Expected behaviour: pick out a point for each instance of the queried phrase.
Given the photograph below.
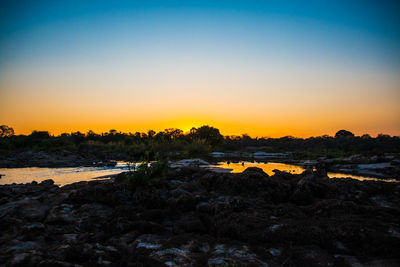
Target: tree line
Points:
(199, 141)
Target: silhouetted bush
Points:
(198, 147)
(146, 174)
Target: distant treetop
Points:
(6, 131)
(344, 133)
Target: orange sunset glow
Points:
(262, 111)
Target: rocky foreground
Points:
(196, 217)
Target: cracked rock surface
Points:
(195, 217)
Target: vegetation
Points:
(146, 173)
(198, 142)
(6, 131)
(344, 133)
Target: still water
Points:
(268, 168)
(63, 176)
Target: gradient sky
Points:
(266, 68)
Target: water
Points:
(268, 168)
(358, 177)
(63, 176)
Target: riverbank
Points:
(382, 170)
(59, 159)
(195, 216)
(384, 166)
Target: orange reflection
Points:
(266, 167)
(61, 176)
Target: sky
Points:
(265, 68)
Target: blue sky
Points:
(368, 29)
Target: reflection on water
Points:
(267, 167)
(357, 177)
(61, 176)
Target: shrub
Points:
(146, 174)
(198, 147)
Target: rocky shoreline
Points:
(195, 217)
(384, 170)
(62, 159)
(385, 166)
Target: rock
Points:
(70, 238)
(121, 197)
(47, 182)
(345, 260)
(28, 209)
(204, 207)
(189, 162)
(312, 257)
(33, 231)
(274, 251)
(23, 246)
(282, 174)
(20, 259)
(148, 245)
(186, 202)
(234, 255)
(245, 219)
(255, 171)
(153, 215)
(61, 214)
(302, 196)
(190, 224)
(175, 182)
(216, 261)
(54, 263)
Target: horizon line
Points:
(187, 132)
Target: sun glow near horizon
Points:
(226, 129)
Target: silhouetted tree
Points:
(40, 135)
(6, 131)
(173, 133)
(151, 134)
(90, 133)
(344, 133)
(77, 137)
(207, 133)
